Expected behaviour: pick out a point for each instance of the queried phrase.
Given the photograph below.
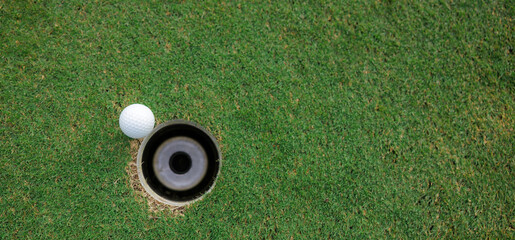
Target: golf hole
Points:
(178, 162)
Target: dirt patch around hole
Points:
(140, 194)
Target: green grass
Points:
(367, 119)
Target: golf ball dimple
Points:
(137, 121)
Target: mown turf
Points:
(367, 119)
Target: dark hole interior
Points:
(180, 162)
(198, 135)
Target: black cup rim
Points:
(161, 133)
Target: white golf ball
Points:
(137, 121)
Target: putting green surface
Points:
(367, 119)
